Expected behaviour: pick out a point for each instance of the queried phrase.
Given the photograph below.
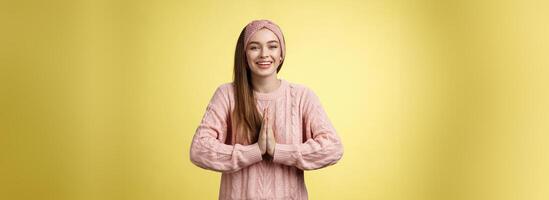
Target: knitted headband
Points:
(256, 25)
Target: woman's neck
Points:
(266, 85)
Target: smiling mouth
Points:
(264, 64)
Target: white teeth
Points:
(264, 63)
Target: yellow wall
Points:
(432, 99)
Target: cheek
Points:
(251, 55)
(250, 58)
(251, 52)
(278, 53)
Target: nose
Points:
(264, 53)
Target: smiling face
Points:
(263, 53)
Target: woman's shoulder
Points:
(225, 90)
(304, 95)
(300, 89)
(226, 87)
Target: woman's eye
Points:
(274, 47)
(253, 48)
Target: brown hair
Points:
(247, 120)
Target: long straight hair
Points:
(247, 120)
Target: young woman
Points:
(260, 131)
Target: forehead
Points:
(263, 35)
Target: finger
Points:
(269, 114)
(269, 119)
(266, 114)
(268, 123)
(264, 119)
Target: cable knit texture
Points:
(305, 137)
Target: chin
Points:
(264, 73)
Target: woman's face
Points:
(263, 53)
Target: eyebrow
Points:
(254, 42)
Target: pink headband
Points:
(255, 25)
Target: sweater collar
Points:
(274, 94)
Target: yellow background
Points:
(432, 99)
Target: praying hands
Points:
(266, 138)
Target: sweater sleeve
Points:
(208, 151)
(322, 147)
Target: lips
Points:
(264, 64)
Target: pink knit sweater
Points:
(305, 138)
